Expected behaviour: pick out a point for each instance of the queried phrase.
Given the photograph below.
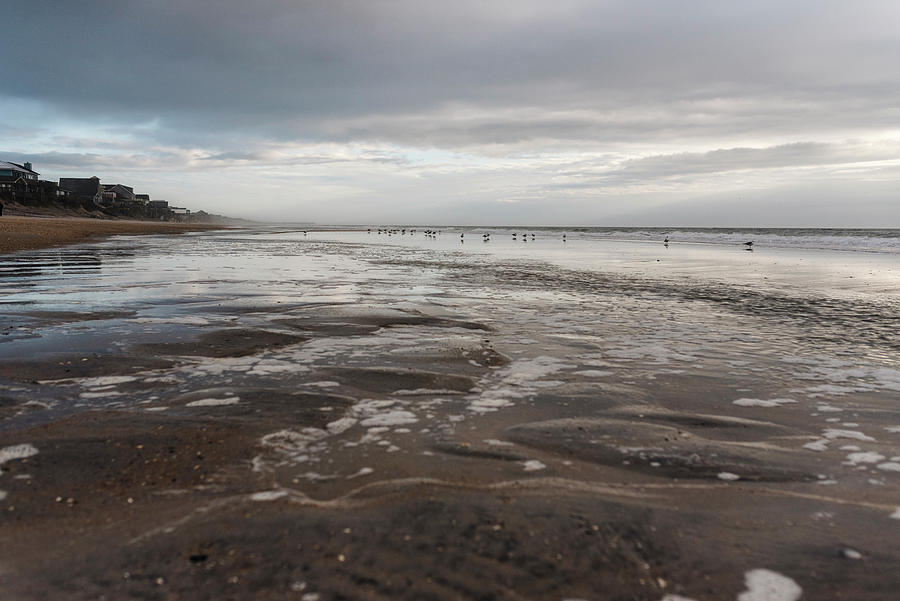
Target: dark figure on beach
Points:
(666, 241)
(1, 208)
(749, 245)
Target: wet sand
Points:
(29, 233)
(329, 436)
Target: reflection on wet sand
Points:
(261, 417)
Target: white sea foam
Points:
(19, 451)
(2, 495)
(763, 402)
(592, 373)
(324, 384)
(817, 445)
(486, 404)
(519, 380)
(341, 425)
(422, 391)
(728, 476)
(268, 495)
(890, 466)
(394, 417)
(864, 457)
(214, 402)
(896, 514)
(832, 433)
(766, 585)
(533, 465)
(272, 366)
(365, 471)
(297, 445)
(105, 381)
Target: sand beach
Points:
(272, 414)
(28, 233)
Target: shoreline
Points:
(18, 233)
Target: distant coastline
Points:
(22, 192)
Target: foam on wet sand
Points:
(507, 425)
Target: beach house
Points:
(11, 173)
(17, 182)
(83, 188)
(118, 193)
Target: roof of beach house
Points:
(16, 167)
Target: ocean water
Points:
(453, 357)
(851, 239)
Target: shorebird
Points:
(749, 244)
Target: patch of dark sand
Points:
(55, 317)
(276, 406)
(712, 426)
(362, 324)
(462, 360)
(100, 459)
(388, 380)
(253, 304)
(592, 397)
(60, 367)
(224, 343)
(657, 449)
(477, 451)
(13, 406)
(433, 545)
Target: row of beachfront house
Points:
(22, 184)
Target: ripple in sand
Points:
(225, 343)
(655, 448)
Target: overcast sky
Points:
(562, 112)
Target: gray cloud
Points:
(284, 66)
(539, 99)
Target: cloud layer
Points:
(571, 111)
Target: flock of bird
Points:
(486, 237)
